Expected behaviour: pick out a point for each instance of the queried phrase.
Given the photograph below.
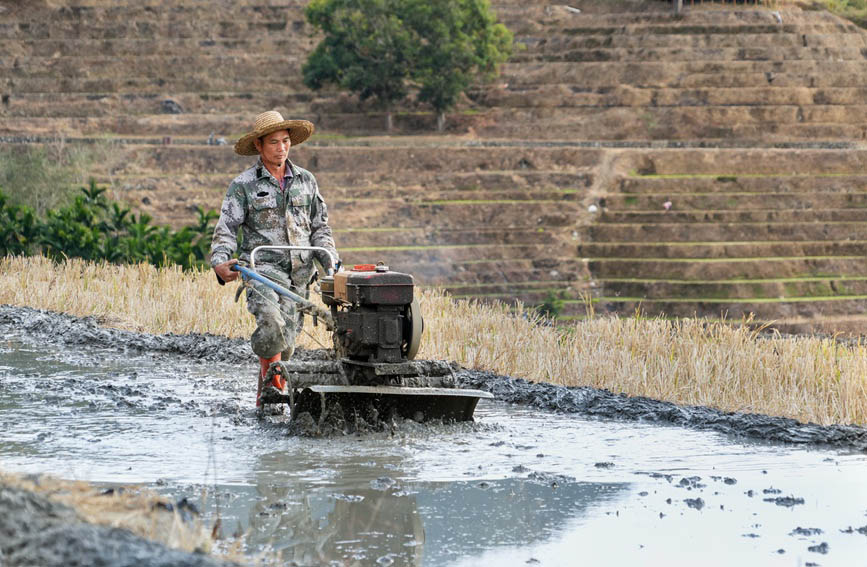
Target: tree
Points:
(379, 48)
(460, 42)
(366, 49)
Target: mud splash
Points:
(64, 329)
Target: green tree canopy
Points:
(379, 48)
(366, 49)
(460, 41)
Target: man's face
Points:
(274, 147)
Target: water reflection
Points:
(364, 515)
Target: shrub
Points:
(552, 305)
(93, 228)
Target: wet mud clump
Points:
(339, 421)
(785, 501)
(35, 530)
(64, 329)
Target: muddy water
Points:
(521, 486)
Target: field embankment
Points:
(690, 361)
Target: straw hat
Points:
(271, 121)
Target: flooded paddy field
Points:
(521, 486)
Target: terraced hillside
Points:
(749, 121)
(778, 233)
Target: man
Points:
(274, 203)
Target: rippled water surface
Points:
(518, 487)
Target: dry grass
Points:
(686, 361)
(134, 510)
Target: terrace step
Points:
(428, 160)
(444, 159)
(434, 194)
(473, 264)
(760, 123)
(599, 26)
(684, 251)
(727, 268)
(526, 297)
(517, 271)
(168, 46)
(686, 74)
(691, 203)
(73, 105)
(97, 98)
(737, 309)
(506, 218)
(161, 11)
(158, 65)
(586, 76)
(142, 104)
(680, 214)
(130, 84)
(697, 163)
(574, 95)
(120, 27)
(185, 125)
(510, 289)
(768, 187)
(556, 51)
(792, 38)
(29, 45)
(427, 187)
(659, 14)
(734, 289)
(531, 16)
(728, 231)
(444, 235)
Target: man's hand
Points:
(224, 271)
(327, 262)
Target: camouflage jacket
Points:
(267, 215)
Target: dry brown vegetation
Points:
(688, 361)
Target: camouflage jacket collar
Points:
(263, 173)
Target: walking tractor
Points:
(376, 327)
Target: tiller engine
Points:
(376, 326)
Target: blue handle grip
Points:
(308, 305)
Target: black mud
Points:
(604, 404)
(64, 329)
(37, 531)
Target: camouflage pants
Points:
(278, 322)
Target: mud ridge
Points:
(65, 329)
(604, 404)
(35, 530)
